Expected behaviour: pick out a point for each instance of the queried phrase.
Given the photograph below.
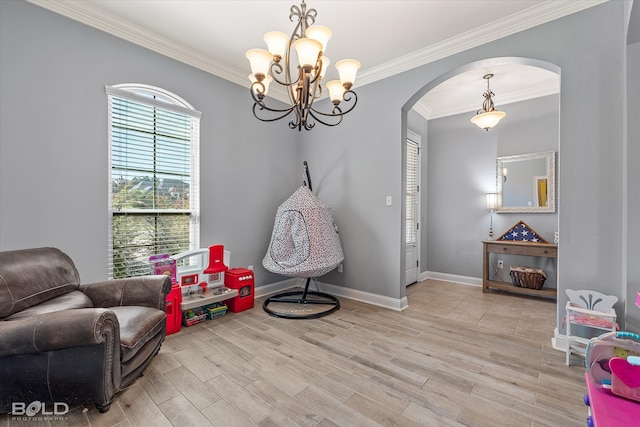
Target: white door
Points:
(412, 209)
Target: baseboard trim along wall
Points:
(362, 296)
(558, 341)
(338, 291)
(464, 280)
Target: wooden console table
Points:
(510, 247)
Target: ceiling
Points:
(386, 36)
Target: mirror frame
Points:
(550, 158)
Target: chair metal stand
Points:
(303, 302)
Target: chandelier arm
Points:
(304, 123)
(260, 106)
(259, 99)
(297, 121)
(339, 116)
(316, 79)
(346, 98)
(276, 69)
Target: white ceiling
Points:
(386, 36)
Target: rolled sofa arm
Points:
(147, 291)
(57, 331)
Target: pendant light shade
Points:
(260, 60)
(307, 50)
(319, 33)
(276, 43)
(336, 90)
(347, 68)
(488, 120)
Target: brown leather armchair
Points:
(61, 341)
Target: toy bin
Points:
(213, 311)
(174, 315)
(193, 316)
(242, 280)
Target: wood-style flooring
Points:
(455, 357)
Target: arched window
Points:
(154, 204)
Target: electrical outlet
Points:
(500, 263)
(340, 270)
(250, 267)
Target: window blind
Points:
(412, 193)
(153, 188)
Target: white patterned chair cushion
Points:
(305, 240)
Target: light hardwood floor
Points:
(455, 357)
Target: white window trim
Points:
(174, 103)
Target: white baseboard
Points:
(446, 277)
(338, 291)
(273, 288)
(559, 341)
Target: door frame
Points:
(415, 138)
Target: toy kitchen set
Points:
(203, 286)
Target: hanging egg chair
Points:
(304, 244)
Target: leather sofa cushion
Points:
(68, 301)
(32, 276)
(137, 326)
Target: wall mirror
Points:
(526, 183)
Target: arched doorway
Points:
(456, 78)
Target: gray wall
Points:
(53, 142)
(53, 148)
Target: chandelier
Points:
(303, 85)
(488, 117)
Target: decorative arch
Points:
(417, 96)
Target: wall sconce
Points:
(492, 204)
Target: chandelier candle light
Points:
(274, 65)
(488, 117)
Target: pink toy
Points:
(592, 321)
(609, 410)
(606, 347)
(625, 378)
(163, 264)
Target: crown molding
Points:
(93, 16)
(532, 17)
(421, 108)
(549, 88)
